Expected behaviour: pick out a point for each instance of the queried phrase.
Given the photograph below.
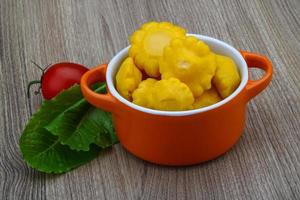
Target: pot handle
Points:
(104, 101)
(254, 87)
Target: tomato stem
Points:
(37, 65)
(43, 69)
(29, 86)
(38, 91)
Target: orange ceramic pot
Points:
(179, 137)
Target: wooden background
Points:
(265, 164)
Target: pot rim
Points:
(213, 43)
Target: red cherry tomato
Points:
(61, 76)
(58, 77)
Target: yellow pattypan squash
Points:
(208, 98)
(148, 42)
(191, 61)
(227, 77)
(168, 94)
(171, 94)
(128, 78)
(143, 95)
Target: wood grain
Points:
(264, 164)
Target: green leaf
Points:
(45, 152)
(81, 125)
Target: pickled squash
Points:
(128, 78)
(168, 94)
(209, 97)
(168, 70)
(227, 77)
(148, 42)
(191, 61)
(143, 95)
